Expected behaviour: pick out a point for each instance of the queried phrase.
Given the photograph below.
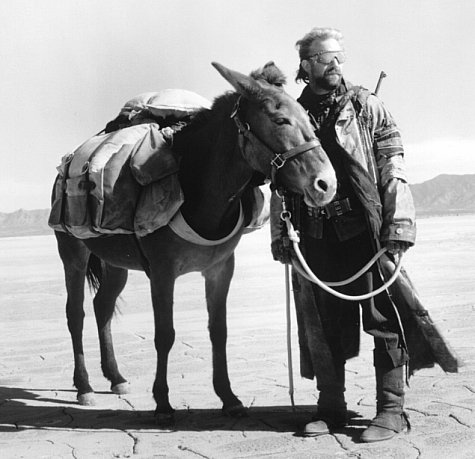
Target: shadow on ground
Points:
(23, 409)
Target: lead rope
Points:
(289, 336)
(290, 371)
(294, 237)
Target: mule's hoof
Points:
(87, 399)
(165, 419)
(121, 388)
(236, 411)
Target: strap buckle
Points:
(278, 161)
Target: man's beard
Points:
(329, 82)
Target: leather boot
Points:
(390, 417)
(331, 408)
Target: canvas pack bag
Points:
(95, 191)
(125, 181)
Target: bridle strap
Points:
(280, 159)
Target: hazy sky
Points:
(67, 67)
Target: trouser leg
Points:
(340, 326)
(380, 320)
(331, 406)
(390, 418)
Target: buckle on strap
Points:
(278, 161)
(281, 158)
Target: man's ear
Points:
(305, 65)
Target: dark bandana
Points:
(320, 107)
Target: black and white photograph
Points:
(237, 229)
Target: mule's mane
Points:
(210, 130)
(222, 107)
(271, 74)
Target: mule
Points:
(256, 129)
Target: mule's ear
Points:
(243, 84)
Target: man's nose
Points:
(334, 64)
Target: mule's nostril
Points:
(322, 184)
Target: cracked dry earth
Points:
(39, 415)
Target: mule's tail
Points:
(95, 275)
(95, 270)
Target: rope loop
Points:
(305, 270)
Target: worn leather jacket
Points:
(367, 131)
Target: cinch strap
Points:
(181, 228)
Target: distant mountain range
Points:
(25, 223)
(445, 194)
(442, 195)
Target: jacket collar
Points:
(315, 103)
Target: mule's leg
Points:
(217, 281)
(162, 286)
(112, 283)
(74, 255)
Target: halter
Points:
(279, 159)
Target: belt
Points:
(334, 209)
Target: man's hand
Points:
(397, 248)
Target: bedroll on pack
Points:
(177, 103)
(99, 188)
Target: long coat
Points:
(372, 147)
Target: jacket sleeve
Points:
(398, 206)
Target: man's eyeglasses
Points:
(325, 57)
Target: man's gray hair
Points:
(304, 44)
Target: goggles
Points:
(325, 57)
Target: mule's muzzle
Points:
(322, 191)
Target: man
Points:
(373, 207)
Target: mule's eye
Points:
(281, 121)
